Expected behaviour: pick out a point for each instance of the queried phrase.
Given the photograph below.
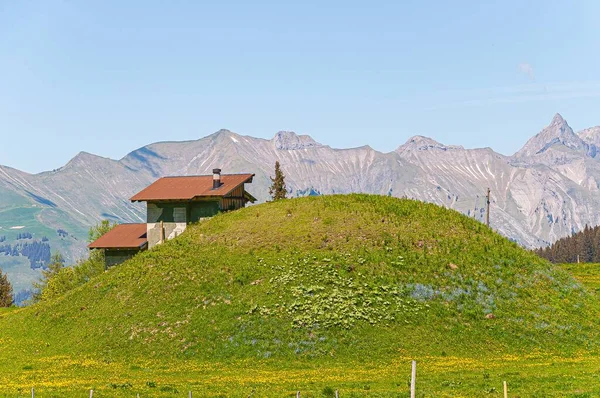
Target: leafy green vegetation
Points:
(317, 294)
(57, 279)
(55, 266)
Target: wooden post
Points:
(190, 394)
(298, 394)
(91, 393)
(505, 390)
(487, 207)
(413, 379)
(337, 395)
(32, 393)
(578, 259)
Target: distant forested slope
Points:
(583, 246)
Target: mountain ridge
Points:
(537, 196)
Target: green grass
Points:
(321, 293)
(30, 217)
(10, 199)
(587, 274)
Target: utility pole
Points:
(487, 208)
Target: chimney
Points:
(216, 178)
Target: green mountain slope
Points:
(338, 281)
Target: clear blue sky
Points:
(110, 76)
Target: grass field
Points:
(533, 375)
(315, 294)
(586, 274)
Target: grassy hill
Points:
(314, 294)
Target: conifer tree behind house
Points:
(278, 189)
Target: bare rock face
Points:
(288, 140)
(419, 143)
(591, 136)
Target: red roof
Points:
(123, 236)
(188, 188)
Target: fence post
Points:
(298, 394)
(190, 394)
(505, 390)
(32, 392)
(91, 393)
(413, 379)
(337, 395)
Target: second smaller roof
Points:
(123, 236)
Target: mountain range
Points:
(546, 190)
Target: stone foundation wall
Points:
(171, 230)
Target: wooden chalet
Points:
(171, 204)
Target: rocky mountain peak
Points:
(288, 140)
(557, 133)
(421, 143)
(224, 131)
(82, 158)
(558, 120)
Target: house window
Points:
(179, 215)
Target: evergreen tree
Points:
(583, 245)
(587, 252)
(596, 246)
(278, 189)
(6, 291)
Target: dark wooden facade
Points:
(236, 199)
(181, 211)
(191, 211)
(115, 257)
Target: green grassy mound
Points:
(323, 276)
(333, 279)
